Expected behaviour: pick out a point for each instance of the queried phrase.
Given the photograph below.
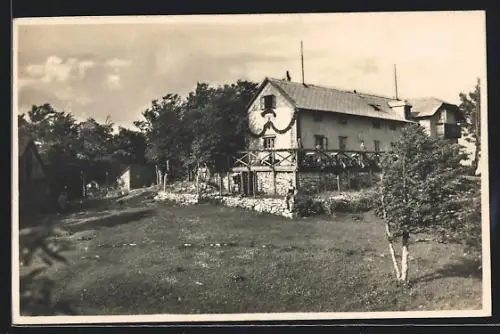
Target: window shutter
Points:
(262, 101)
(274, 101)
(325, 143)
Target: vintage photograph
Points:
(250, 167)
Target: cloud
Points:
(117, 63)
(119, 68)
(113, 81)
(84, 65)
(57, 69)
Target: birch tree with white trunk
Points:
(421, 191)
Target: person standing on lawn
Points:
(290, 197)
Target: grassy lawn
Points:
(132, 259)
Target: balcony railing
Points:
(307, 159)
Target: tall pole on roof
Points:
(302, 60)
(396, 82)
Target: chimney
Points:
(402, 107)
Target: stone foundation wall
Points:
(308, 182)
(265, 182)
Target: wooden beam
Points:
(241, 182)
(273, 172)
(248, 182)
(254, 177)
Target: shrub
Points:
(306, 206)
(339, 205)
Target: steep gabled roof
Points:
(26, 142)
(23, 143)
(318, 98)
(428, 106)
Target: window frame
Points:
(271, 139)
(323, 142)
(268, 101)
(376, 145)
(343, 140)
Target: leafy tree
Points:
(204, 129)
(129, 146)
(56, 135)
(55, 132)
(421, 190)
(163, 130)
(471, 107)
(96, 139)
(220, 126)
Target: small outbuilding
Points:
(34, 186)
(137, 176)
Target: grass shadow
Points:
(118, 218)
(466, 268)
(36, 296)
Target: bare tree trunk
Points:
(404, 257)
(388, 233)
(391, 250)
(477, 131)
(475, 162)
(219, 176)
(198, 179)
(158, 179)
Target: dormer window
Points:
(343, 120)
(268, 102)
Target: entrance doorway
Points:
(248, 180)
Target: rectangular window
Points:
(376, 124)
(343, 120)
(320, 142)
(342, 143)
(392, 126)
(442, 117)
(268, 102)
(318, 117)
(376, 144)
(268, 142)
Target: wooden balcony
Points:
(448, 130)
(305, 160)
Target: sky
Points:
(95, 67)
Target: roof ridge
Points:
(344, 90)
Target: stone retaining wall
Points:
(275, 206)
(179, 198)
